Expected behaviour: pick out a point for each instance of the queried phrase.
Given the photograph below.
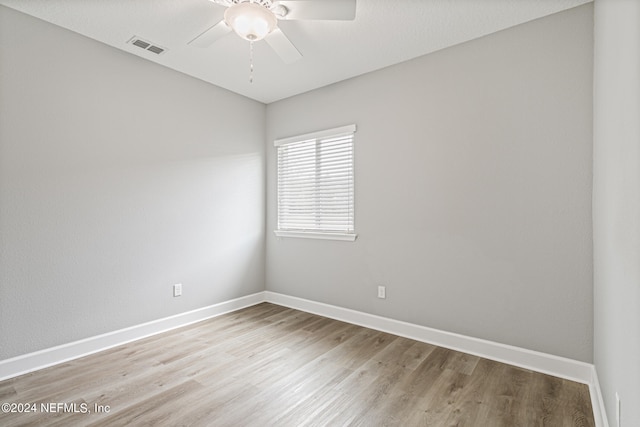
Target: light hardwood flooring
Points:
(268, 365)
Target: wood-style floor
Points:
(272, 366)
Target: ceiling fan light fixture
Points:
(251, 21)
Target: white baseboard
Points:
(536, 361)
(26, 363)
(528, 359)
(597, 402)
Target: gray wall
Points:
(616, 206)
(118, 178)
(473, 189)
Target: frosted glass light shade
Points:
(250, 21)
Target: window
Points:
(316, 185)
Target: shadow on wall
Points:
(94, 251)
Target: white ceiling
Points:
(385, 32)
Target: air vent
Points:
(155, 49)
(137, 41)
(141, 44)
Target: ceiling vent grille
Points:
(137, 41)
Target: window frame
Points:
(315, 233)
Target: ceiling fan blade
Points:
(210, 35)
(281, 44)
(321, 10)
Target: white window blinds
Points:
(316, 182)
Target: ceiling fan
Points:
(255, 20)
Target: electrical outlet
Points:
(382, 292)
(617, 409)
(177, 289)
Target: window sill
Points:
(316, 235)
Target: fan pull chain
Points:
(250, 62)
